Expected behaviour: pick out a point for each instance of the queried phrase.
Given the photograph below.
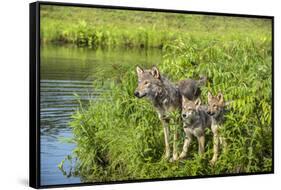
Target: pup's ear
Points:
(210, 96)
(183, 100)
(155, 72)
(220, 97)
(139, 71)
(197, 103)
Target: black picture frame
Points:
(34, 90)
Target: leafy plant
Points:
(119, 137)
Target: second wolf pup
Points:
(216, 109)
(195, 120)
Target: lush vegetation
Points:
(119, 137)
(109, 28)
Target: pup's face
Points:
(189, 110)
(148, 81)
(215, 103)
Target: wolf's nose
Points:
(210, 113)
(136, 93)
(183, 115)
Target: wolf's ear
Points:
(220, 97)
(197, 102)
(155, 72)
(139, 71)
(210, 96)
(183, 100)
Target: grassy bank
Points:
(120, 137)
(118, 28)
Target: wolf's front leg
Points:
(175, 146)
(165, 121)
(223, 143)
(201, 144)
(216, 149)
(186, 144)
(166, 138)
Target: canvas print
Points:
(132, 95)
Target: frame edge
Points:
(34, 166)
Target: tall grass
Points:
(107, 28)
(119, 137)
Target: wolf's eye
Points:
(214, 106)
(145, 82)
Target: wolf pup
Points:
(216, 110)
(165, 97)
(195, 120)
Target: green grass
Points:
(119, 28)
(119, 137)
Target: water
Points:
(66, 70)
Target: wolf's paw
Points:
(167, 156)
(213, 162)
(182, 156)
(175, 156)
(173, 159)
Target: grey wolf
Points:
(216, 109)
(165, 97)
(195, 120)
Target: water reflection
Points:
(66, 71)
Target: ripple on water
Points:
(57, 104)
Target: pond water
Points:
(69, 70)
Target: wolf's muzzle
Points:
(210, 113)
(137, 94)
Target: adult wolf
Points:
(195, 120)
(165, 97)
(216, 109)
